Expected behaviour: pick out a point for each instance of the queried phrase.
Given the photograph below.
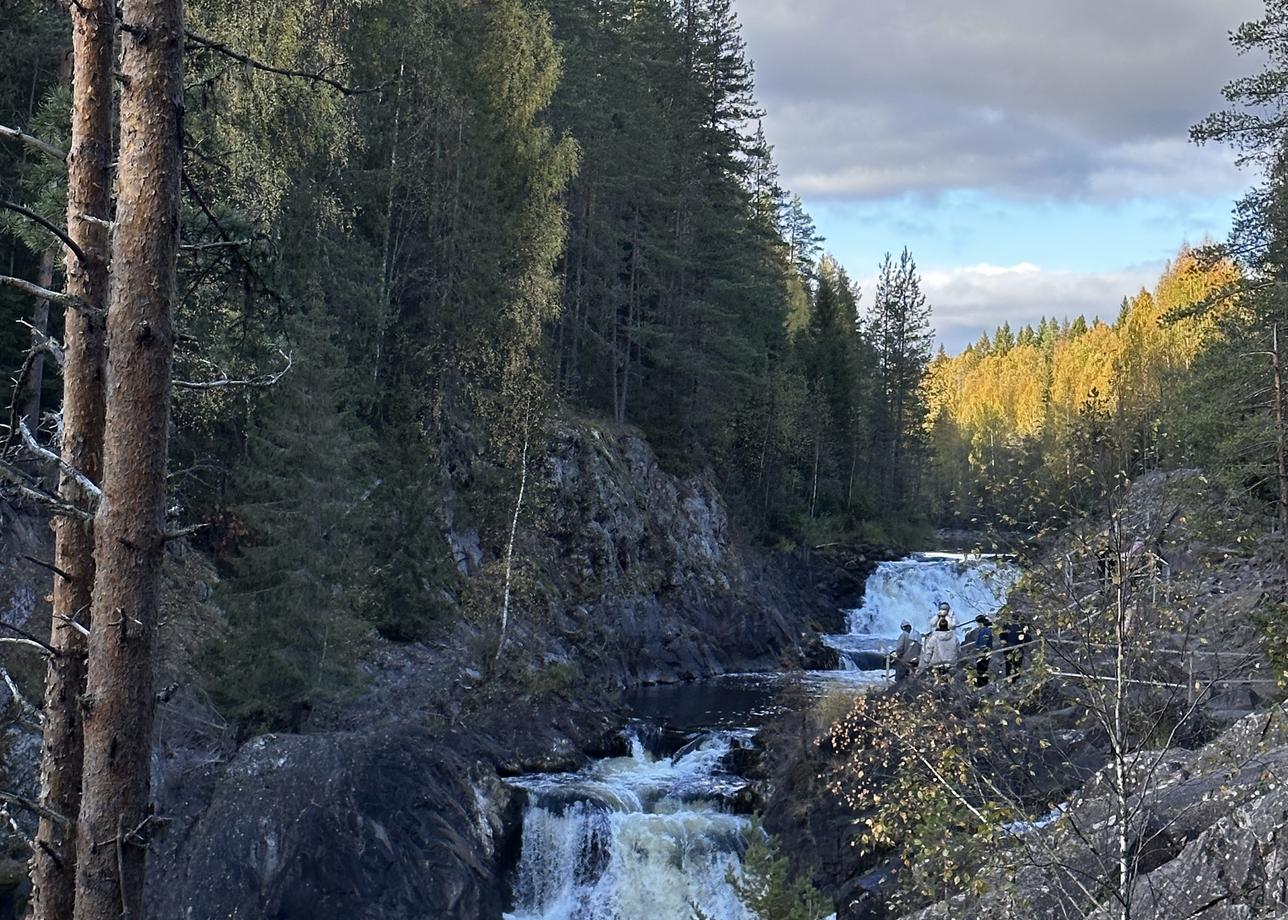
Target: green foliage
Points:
(293, 629)
(768, 888)
(695, 304)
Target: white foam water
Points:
(633, 838)
(912, 589)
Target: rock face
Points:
(398, 821)
(392, 807)
(648, 582)
(1209, 840)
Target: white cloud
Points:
(969, 300)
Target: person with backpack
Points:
(982, 639)
(906, 654)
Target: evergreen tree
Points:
(902, 336)
(292, 593)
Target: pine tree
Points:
(302, 502)
(902, 336)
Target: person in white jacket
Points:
(943, 612)
(939, 651)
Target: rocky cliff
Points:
(392, 805)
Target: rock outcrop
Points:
(1208, 838)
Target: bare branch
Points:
(261, 382)
(181, 532)
(34, 493)
(48, 225)
(47, 347)
(220, 244)
(57, 297)
(26, 638)
(202, 41)
(48, 565)
(36, 143)
(36, 808)
(107, 225)
(87, 485)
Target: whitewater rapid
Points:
(656, 836)
(912, 589)
(635, 837)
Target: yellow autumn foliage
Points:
(1006, 390)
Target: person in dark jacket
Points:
(982, 639)
(1014, 636)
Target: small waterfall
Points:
(640, 837)
(912, 589)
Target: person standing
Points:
(982, 639)
(944, 612)
(939, 654)
(906, 654)
(1014, 637)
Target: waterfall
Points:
(912, 589)
(640, 837)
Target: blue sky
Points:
(1033, 154)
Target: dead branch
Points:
(63, 300)
(180, 532)
(107, 225)
(48, 225)
(48, 565)
(13, 798)
(202, 41)
(47, 347)
(87, 485)
(35, 143)
(219, 244)
(29, 643)
(34, 493)
(261, 382)
(28, 637)
(68, 621)
(23, 703)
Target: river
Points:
(657, 833)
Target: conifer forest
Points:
(643, 460)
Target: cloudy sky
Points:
(1033, 154)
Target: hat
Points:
(982, 619)
(943, 605)
(905, 625)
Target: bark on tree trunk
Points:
(88, 193)
(129, 529)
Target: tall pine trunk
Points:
(88, 193)
(129, 529)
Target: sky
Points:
(1032, 154)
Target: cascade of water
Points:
(633, 838)
(912, 589)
